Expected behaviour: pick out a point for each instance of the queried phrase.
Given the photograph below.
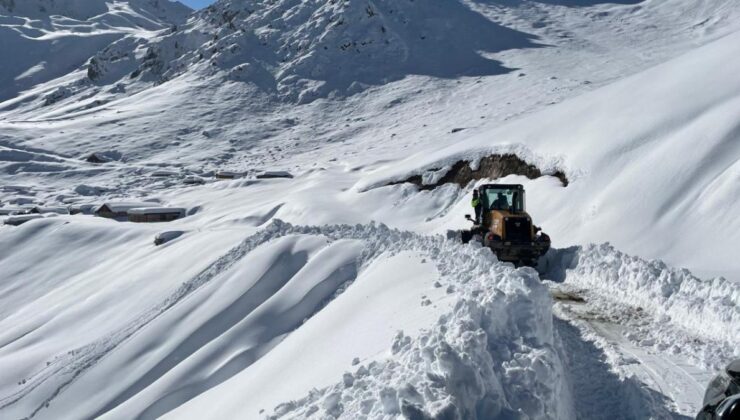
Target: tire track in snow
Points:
(611, 375)
(662, 330)
(599, 393)
(660, 371)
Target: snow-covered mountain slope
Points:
(658, 152)
(245, 129)
(48, 39)
(284, 297)
(251, 331)
(303, 51)
(82, 10)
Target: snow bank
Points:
(707, 308)
(494, 352)
(488, 358)
(433, 169)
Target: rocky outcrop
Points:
(490, 167)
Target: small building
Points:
(163, 173)
(48, 209)
(193, 180)
(119, 209)
(274, 174)
(155, 214)
(228, 175)
(22, 200)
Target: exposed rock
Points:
(57, 95)
(489, 167)
(97, 158)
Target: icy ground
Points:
(336, 293)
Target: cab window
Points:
(503, 199)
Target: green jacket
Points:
(475, 202)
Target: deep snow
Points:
(240, 314)
(681, 183)
(213, 332)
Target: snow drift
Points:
(493, 350)
(708, 308)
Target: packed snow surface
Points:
(310, 283)
(661, 328)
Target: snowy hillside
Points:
(309, 144)
(634, 167)
(81, 10)
(57, 37)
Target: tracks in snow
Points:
(670, 375)
(629, 330)
(612, 374)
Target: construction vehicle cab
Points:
(506, 227)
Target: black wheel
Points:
(466, 236)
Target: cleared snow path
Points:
(670, 375)
(610, 374)
(599, 392)
(638, 339)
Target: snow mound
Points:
(494, 354)
(495, 350)
(709, 308)
(490, 357)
